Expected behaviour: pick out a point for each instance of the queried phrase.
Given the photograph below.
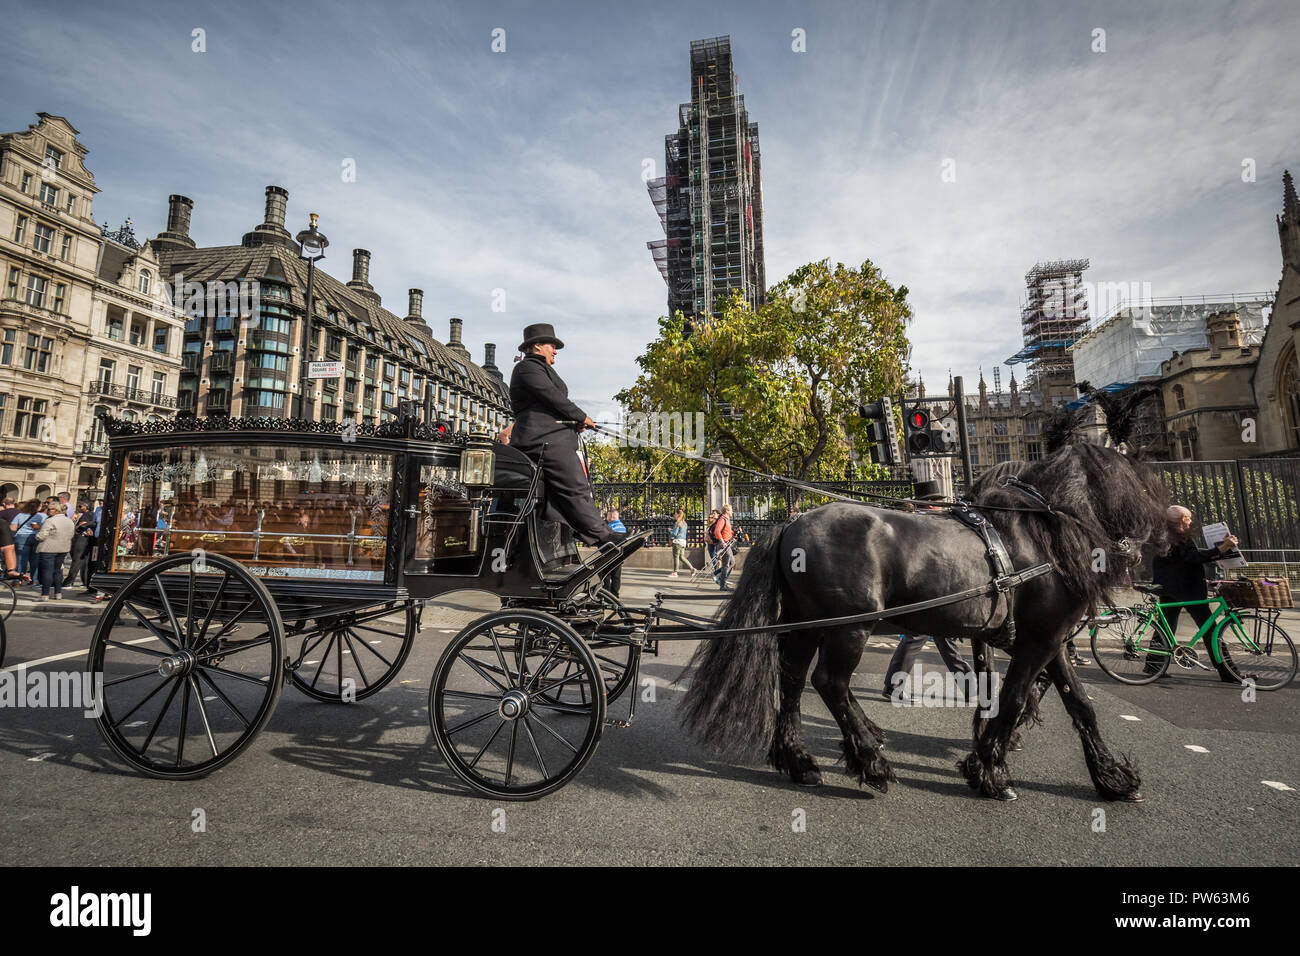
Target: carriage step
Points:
(615, 722)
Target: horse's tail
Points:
(731, 701)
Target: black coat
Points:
(538, 398)
(1180, 572)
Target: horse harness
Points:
(1005, 576)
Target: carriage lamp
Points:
(477, 461)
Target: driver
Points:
(546, 420)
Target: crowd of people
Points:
(46, 536)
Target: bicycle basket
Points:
(1257, 592)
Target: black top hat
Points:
(928, 491)
(541, 332)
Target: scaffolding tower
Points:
(1053, 316)
(710, 200)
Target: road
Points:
(363, 784)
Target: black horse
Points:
(844, 558)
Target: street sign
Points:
(325, 370)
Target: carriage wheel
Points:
(494, 710)
(348, 657)
(190, 673)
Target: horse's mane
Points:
(1104, 501)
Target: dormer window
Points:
(143, 284)
(53, 158)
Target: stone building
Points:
(1276, 382)
(241, 353)
(1004, 426)
(49, 257)
(132, 366)
(1207, 394)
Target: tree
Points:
(781, 384)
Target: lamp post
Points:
(312, 242)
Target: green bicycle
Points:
(1136, 645)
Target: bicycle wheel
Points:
(1257, 649)
(8, 599)
(1131, 649)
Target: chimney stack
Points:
(177, 234)
(277, 198)
(272, 231)
(415, 305)
(454, 343)
(360, 280)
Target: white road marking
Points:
(311, 662)
(1196, 748)
(1277, 785)
(39, 757)
(136, 723)
(64, 657)
(1129, 717)
(376, 642)
(213, 697)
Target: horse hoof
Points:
(1134, 797)
(809, 778)
(1006, 796)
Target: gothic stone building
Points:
(1276, 380)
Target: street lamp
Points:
(312, 242)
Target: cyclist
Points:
(1180, 572)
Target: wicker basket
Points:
(1257, 592)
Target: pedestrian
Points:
(65, 499)
(1180, 572)
(614, 580)
(909, 644)
(24, 528)
(83, 539)
(9, 509)
(723, 533)
(9, 556)
(679, 541)
(53, 543)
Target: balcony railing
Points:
(190, 361)
(94, 448)
(223, 361)
(109, 390)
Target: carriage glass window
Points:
(447, 533)
(289, 512)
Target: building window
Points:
(1180, 399)
(27, 182)
(38, 352)
(1187, 447)
(66, 252)
(11, 289)
(53, 157)
(1033, 426)
(36, 291)
(970, 429)
(999, 428)
(20, 230)
(43, 238)
(1035, 450)
(143, 285)
(7, 347)
(1001, 452)
(160, 339)
(390, 371)
(72, 201)
(267, 399)
(974, 456)
(49, 194)
(60, 293)
(133, 378)
(30, 416)
(137, 333)
(113, 328)
(106, 369)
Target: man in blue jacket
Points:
(542, 431)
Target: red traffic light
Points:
(919, 419)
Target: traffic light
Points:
(943, 437)
(884, 433)
(916, 430)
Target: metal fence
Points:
(1258, 498)
(756, 505)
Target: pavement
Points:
(364, 784)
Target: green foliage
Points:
(781, 384)
(611, 462)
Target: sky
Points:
(952, 144)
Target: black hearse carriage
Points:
(242, 553)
